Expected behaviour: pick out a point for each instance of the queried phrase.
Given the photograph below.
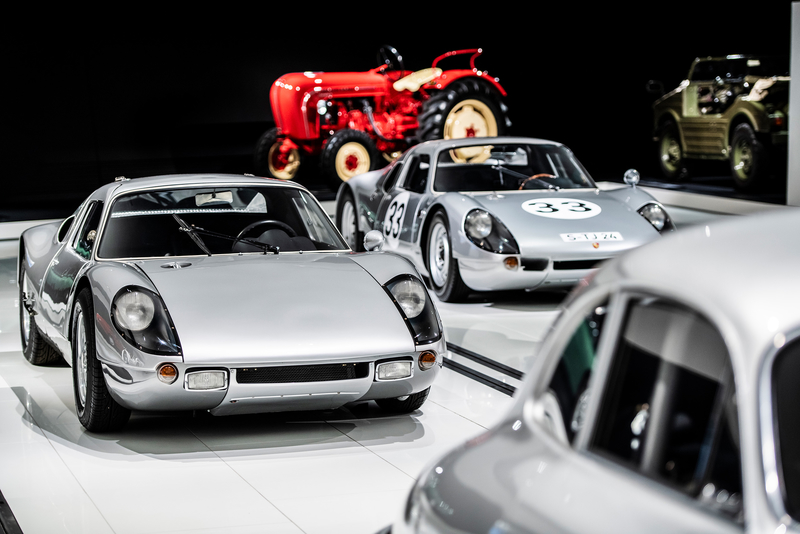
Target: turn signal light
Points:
(426, 360)
(511, 263)
(167, 373)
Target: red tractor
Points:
(348, 123)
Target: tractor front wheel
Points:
(275, 158)
(348, 153)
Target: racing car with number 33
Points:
(220, 293)
(501, 213)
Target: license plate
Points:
(593, 236)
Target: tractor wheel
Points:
(347, 154)
(465, 108)
(748, 158)
(269, 161)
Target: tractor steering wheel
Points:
(390, 58)
(534, 177)
(271, 222)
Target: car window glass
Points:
(417, 176)
(669, 408)
(391, 177)
(84, 243)
(786, 406)
(570, 380)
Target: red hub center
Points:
(472, 131)
(351, 162)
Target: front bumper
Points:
(530, 273)
(139, 388)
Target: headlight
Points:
(488, 233)
(657, 216)
(413, 302)
(142, 319)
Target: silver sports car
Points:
(506, 213)
(222, 293)
(664, 400)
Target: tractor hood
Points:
(287, 307)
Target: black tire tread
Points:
(413, 402)
(454, 290)
(434, 111)
(38, 351)
(758, 178)
(335, 143)
(347, 194)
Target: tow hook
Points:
(28, 302)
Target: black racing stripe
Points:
(480, 377)
(8, 523)
(486, 362)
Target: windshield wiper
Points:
(192, 233)
(499, 168)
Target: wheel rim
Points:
(283, 164)
(26, 317)
(349, 224)
(351, 160)
(81, 355)
(439, 255)
(670, 153)
(470, 118)
(743, 160)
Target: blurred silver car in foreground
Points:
(502, 213)
(223, 293)
(665, 399)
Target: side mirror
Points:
(631, 177)
(373, 241)
(655, 87)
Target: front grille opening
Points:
(574, 265)
(302, 373)
(534, 264)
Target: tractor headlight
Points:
(142, 319)
(488, 233)
(413, 302)
(657, 216)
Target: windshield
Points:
(199, 221)
(509, 167)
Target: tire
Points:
(348, 153)
(445, 277)
(406, 404)
(267, 161)
(35, 347)
(748, 158)
(347, 221)
(671, 160)
(466, 98)
(96, 409)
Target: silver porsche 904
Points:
(506, 213)
(220, 293)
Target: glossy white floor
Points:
(345, 471)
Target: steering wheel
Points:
(271, 222)
(390, 58)
(534, 177)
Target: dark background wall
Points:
(88, 99)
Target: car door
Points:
(399, 215)
(65, 265)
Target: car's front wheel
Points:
(405, 404)
(670, 153)
(445, 277)
(748, 159)
(96, 409)
(35, 347)
(347, 221)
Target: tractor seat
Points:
(415, 80)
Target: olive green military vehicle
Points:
(731, 108)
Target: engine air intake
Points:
(302, 373)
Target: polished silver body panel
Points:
(520, 477)
(539, 237)
(230, 311)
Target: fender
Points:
(450, 76)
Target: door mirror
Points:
(631, 177)
(373, 241)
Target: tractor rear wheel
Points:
(465, 108)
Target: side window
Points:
(84, 243)
(568, 388)
(391, 176)
(418, 170)
(669, 407)
(786, 407)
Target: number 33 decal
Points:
(561, 208)
(393, 221)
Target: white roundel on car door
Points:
(561, 208)
(393, 220)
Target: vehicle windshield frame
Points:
(309, 197)
(495, 166)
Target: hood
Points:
(537, 220)
(279, 308)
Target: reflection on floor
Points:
(347, 470)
